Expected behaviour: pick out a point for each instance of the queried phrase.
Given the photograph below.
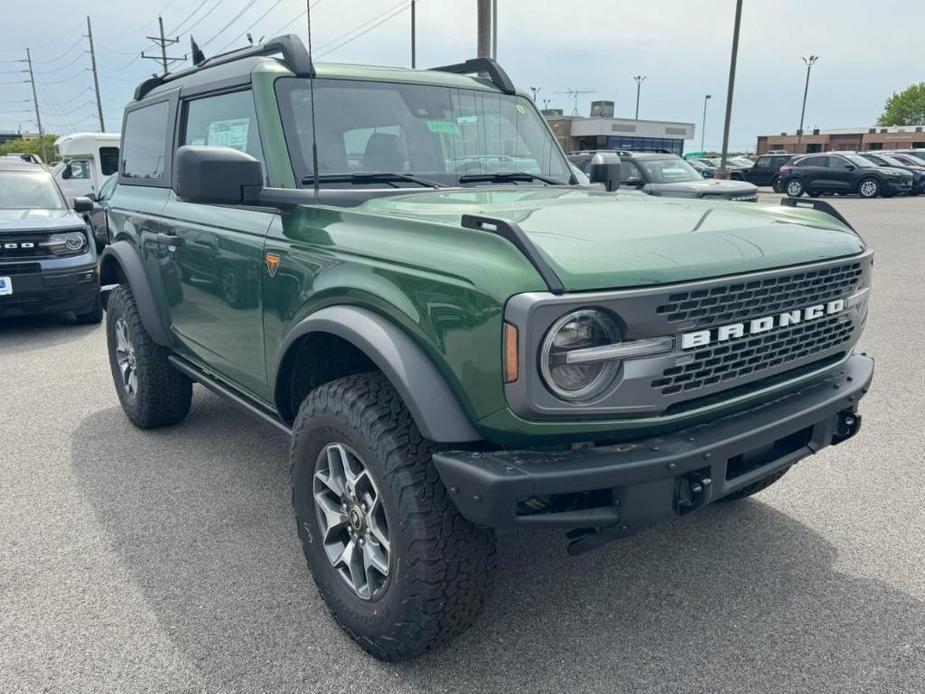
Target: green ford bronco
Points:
(400, 270)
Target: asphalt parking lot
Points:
(166, 561)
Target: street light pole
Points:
(810, 61)
(639, 80)
(703, 128)
(722, 172)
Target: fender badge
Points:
(272, 263)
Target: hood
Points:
(39, 220)
(598, 240)
(711, 186)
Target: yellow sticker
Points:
(520, 109)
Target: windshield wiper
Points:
(505, 176)
(372, 177)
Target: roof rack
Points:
(494, 71)
(295, 57)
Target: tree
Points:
(31, 146)
(905, 108)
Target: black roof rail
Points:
(511, 232)
(819, 206)
(486, 65)
(295, 57)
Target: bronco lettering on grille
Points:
(701, 338)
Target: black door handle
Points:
(161, 239)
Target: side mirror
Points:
(850, 167)
(633, 181)
(82, 205)
(92, 197)
(215, 175)
(605, 168)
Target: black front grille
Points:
(23, 246)
(730, 303)
(19, 268)
(751, 356)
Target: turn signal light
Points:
(511, 354)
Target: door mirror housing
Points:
(605, 168)
(216, 175)
(82, 205)
(850, 167)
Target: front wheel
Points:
(151, 391)
(794, 188)
(869, 188)
(397, 565)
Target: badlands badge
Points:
(272, 263)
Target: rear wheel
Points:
(397, 565)
(151, 391)
(776, 185)
(795, 188)
(869, 188)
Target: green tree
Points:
(32, 146)
(905, 108)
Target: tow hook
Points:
(693, 491)
(849, 423)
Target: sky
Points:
(682, 46)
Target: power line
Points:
(58, 57)
(162, 43)
(247, 5)
(253, 24)
(207, 13)
(394, 13)
(63, 67)
(198, 7)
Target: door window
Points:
(226, 120)
(76, 170)
(144, 144)
(109, 160)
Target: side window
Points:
(629, 172)
(839, 163)
(763, 163)
(226, 120)
(109, 160)
(144, 143)
(76, 170)
(107, 190)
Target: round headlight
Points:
(578, 330)
(74, 241)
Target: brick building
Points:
(857, 139)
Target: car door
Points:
(760, 173)
(216, 252)
(841, 174)
(815, 173)
(99, 215)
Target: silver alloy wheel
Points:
(794, 189)
(125, 357)
(351, 517)
(868, 189)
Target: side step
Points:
(226, 393)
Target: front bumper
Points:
(899, 186)
(38, 290)
(622, 488)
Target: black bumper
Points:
(50, 291)
(625, 487)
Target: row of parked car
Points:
(867, 174)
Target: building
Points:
(602, 131)
(857, 139)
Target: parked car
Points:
(47, 263)
(456, 352)
(87, 160)
(818, 174)
(671, 176)
(896, 162)
(764, 172)
(704, 169)
(918, 153)
(98, 217)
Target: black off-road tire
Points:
(93, 316)
(440, 564)
(755, 487)
(162, 395)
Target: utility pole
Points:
(703, 128)
(494, 29)
(35, 100)
(96, 79)
(639, 80)
(413, 56)
(722, 172)
(484, 28)
(163, 43)
(810, 61)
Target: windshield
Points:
(858, 160)
(23, 190)
(430, 132)
(893, 161)
(668, 170)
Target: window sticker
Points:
(444, 127)
(228, 133)
(520, 109)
